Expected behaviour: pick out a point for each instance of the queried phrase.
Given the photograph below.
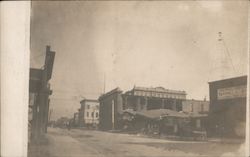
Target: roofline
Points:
(227, 79)
(195, 100)
(92, 100)
(117, 89)
(151, 89)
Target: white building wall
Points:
(91, 112)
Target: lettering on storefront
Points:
(232, 92)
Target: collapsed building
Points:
(165, 122)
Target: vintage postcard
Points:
(138, 79)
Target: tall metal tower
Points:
(222, 63)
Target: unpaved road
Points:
(88, 143)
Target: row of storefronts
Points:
(152, 111)
(223, 116)
(168, 112)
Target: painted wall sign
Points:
(232, 92)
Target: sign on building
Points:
(232, 92)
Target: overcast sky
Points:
(172, 44)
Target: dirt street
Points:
(88, 143)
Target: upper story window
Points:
(87, 114)
(202, 107)
(88, 106)
(96, 114)
(97, 107)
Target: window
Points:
(87, 114)
(88, 106)
(148, 94)
(92, 114)
(143, 93)
(96, 115)
(198, 123)
(202, 107)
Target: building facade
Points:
(89, 113)
(195, 106)
(110, 109)
(39, 92)
(142, 98)
(113, 103)
(228, 106)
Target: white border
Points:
(15, 52)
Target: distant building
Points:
(62, 122)
(113, 103)
(228, 106)
(76, 119)
(142, 98)
(195, 106)
(89, 112)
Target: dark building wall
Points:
(226, 113)
(106, 101)
(81, 117)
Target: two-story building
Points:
(89, 113)
(143, 98)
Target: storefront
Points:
(227, 114)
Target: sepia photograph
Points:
(138, 78)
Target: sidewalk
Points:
(226, 140)
(39, 149)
